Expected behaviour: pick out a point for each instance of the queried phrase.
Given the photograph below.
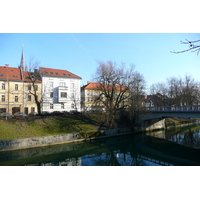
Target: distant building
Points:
(60, 90)
(91, 92)
(88, 94)
(15, 85)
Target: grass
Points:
(44, 126)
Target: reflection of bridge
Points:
(164, 152)
(153, 160)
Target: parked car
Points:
(32, 114)
(65, 113)
(74, 112)
(20, 114)
(5, 114)
(57, 113)
(46, 113)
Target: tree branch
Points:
(192, 47)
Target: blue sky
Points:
(79, 53)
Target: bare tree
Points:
(176, 91)
(194, 46)
(137, 95)
(190, 91)
(115, 85)
(159, 91)
(34, 76)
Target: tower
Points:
(22, 63)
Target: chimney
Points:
(6, 65)
(88, 82)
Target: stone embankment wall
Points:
(24, 143)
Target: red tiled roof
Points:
(97, 86)
(26, 76)
(57, 73)
(10, 73)
(92, 86)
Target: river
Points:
(176, 147)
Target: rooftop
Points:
(57, 73)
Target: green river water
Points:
(178, 147)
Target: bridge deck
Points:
(172, 111)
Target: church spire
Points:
(22, 63)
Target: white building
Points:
(60, 90)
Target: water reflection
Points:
(189, 137)
(152, 149)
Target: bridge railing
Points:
(194, 108)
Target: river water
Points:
(177, 147)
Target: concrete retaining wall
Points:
(39, 141)
(25, 143)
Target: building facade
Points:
(60, 90)
(14, 91)
(89, 93)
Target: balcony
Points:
(62, 94)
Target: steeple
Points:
(22, 63)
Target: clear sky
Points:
(79, 53)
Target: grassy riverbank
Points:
(43, 126)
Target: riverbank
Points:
(32, 142)
(45, 126)
(37, 131)
(44, 131)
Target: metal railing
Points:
(193, 108)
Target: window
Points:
(63, 94)
(29, 87)
(51, 84)
(16, 98)
(51, 106)
(26, 110)
(62, 105)
(36, 87)
(29, 97)
(72, 85)
(32, 109)
(1, 74)
(3, 99)
(3, 86)
(72, 95)
(72, 105)
(51, 94)
(16, 86)
(62, 84)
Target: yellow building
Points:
(91, 91)
(88, 94)
(14, 91)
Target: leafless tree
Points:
(190, 90)
(115, 85)
(34, 76)
(159, 91)
(194, 46)
(137, 94)
(176, 91)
